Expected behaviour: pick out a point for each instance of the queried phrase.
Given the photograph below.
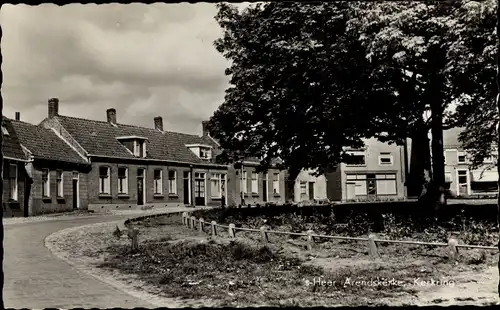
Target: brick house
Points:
(306, 187)
(134, 166)
(461, 179)
(57, 172)
(14, 200)
(376, 171)
(244, 184)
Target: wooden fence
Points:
(199, 224)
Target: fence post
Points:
(184, 218)
(192, 222)
(132, 234)
(231, 230)
(310, 240)
(452, 249)
(201, 224)
(372, 246)
(263, 235)
(214, 228)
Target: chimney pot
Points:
(158, 123)
(111, 115)
(53, 107)
(204, 129)
(18, 116)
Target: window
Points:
(158, 179)
(355, 159)
(13, 182)
(104, 180)
(385, 159)
(5, 131)
(59, 183)
(217, 184)
(386, 184)
(303, 188)
(484, 187)
(122, 180)
(205, 153)
(244, 184)
(359, 182)
(276, 183)
(462, 176)
(172, 185)
(255, 183)
(45, 183)
(139, 148)
(461, 158)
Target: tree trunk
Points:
(498, 125)
(420, 161)
(438, 179)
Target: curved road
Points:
(36, 279)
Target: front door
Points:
(140, 187)
(311, 190)
(187, 188)
(75, 194)
(199, 189)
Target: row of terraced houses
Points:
(67, 163)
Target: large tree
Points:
(309, 79)
(296, 87)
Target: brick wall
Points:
(130, 201)
(234, 187)
(7, 187)
(53, 203)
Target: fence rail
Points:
(371, 239)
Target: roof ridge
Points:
(134, 126)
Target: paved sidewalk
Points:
(36, 279)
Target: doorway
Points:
(76, 191)
(311, 191)
(351, 191)
(199, 189)
(463, 183)
(140, 187)
(187, 188)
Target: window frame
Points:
(46, 183)
(121, 180)
(254, 185)
(158, 182)
(244, 182)
(460, 154)
(59, 183)
(105, 181)
(172, 182)
(220, 178)
(14, 186)
(276, 183)
(356, 153)
(385, 155)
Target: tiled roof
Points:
(45, 144)
(450, 138)
(99, 138)
(11, 146)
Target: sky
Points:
(143, 60)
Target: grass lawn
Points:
(179, 262)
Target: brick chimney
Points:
(53, 107)
(18, 116)
(204, 129)
(158, 123)
(111, 115)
